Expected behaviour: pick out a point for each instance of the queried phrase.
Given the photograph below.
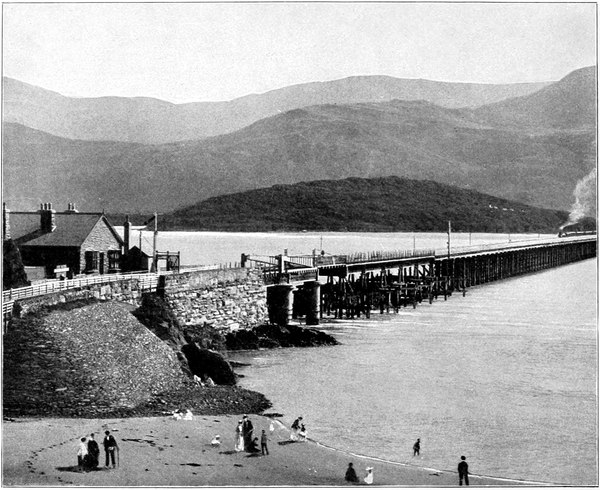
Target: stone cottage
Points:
(65, 243)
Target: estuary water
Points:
(506, 376)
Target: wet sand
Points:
(161, 451)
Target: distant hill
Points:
(354, 204)
(153, 121)
(534, 162)
(567, 105)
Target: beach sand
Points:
(161, 451)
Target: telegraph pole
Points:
(154, 258)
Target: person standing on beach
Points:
(82, 452)
(110, 447)
(94, 452)
(247, 429)
(263, 443)
(239, 438)
(417, 447)
(351, 475)
(369, 476)
(463, 471)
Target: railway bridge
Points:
(348, 286)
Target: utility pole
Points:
(449, 230)
(154, 258)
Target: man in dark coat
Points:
(463, 471)
(110, 447)
(93, 452)
(417, 447)
(247, 429)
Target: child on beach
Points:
(263, 443)
(302, 433)
(369, 476)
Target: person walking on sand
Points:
(463, 471)
(93, 451)
(263, 443)
(369, 476)
(239, 438)
(417, 447)
(82, 452)
(110, 447)
(351, 475)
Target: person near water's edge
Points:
(463, 471)
(417, 447)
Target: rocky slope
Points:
(96, 360)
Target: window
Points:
(91, 261)
(114, 260)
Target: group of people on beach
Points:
(352, 477)
(298, 430)
(245, 439)
(88, 452)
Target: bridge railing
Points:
(488, 247)
(148, 281)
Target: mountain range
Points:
(153, 121)
(533, 148)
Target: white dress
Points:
(239, 439)
(369, 477)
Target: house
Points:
(64, 243)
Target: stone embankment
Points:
(95, 359)
(226, 299)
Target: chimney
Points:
(5, 222)
(126, 234)
(47, 217)
(71, 208)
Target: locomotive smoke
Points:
(584, 195)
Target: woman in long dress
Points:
(239, 438)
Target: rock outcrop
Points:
(269, 336)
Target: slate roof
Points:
(71, 229)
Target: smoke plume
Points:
(585, 194)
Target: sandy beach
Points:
(161, 451)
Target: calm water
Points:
(506, 376)
(205, 248)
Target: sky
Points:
(188, 52)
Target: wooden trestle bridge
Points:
(348, 286)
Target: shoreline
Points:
(160, 451)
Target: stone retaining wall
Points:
(128, 291)
(227, 299)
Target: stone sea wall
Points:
(227, 299)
